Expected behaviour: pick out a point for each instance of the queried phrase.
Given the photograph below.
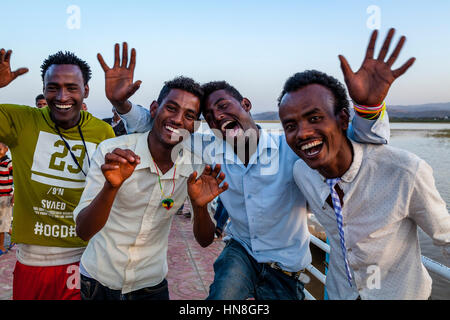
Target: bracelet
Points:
(370, 112)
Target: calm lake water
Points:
(424, 140)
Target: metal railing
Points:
(430, 264)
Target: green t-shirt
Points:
(48, 183)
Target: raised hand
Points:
(119, 86)
(204, 189)
(6, 75)
(370, 84)
(119, 166)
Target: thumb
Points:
(345, 67)
(19, 72)
(133, 88)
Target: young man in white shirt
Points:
(369, 198)
(135, 186)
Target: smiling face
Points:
(64, 91)
(313, 130)
(178, 112)
(225, 113)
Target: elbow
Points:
(81, 233)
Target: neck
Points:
(342, 162)
(161, 154)
(67, 124)
(246, 146)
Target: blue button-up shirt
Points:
(267, 210)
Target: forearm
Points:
(93, 218)
(203, 226)
(137, 119)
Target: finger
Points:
(220, 178)
(371, 46)
(129, 155)
(114, 158)
(19, 72)
(207, 170)
(8, 55)
(116, 55)
(124, 55)
(109, 166)
(133, 88)
(396, 52)
(216, 171)
(2, 55)
(102, 62)
(132, 60)
(345, 67)
(398, 72)
(223, 188)
(192, 177)
(386, 44)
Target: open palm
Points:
(119, 86)
(370, 84)
(204, 189)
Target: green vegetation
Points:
(433, 120)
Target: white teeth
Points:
(225, 124)
(172, 130)
(311, 145)
(61, 106)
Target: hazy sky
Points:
(254, 45)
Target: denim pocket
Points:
(87, 288)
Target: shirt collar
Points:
(351, 173)
(183, 161)
(266, 142)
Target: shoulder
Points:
(18, 110)
(96, 126)
(391, 157)
(128, 141)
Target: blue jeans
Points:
(91, 289)
(239, 276)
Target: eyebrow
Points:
(315, 110)
(173, 102)
(219, 100)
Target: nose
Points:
(177, 118)
(218, 115)
(62, 95)
(304, 131)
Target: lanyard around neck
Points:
(70, 150)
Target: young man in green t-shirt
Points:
(51, 148)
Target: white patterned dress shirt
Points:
(388, 193)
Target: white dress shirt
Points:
(388, 192)
(130, 252)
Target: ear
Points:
(86, 91)
(246, 104)
(344, 119)
(153, 109)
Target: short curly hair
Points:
(67, 58)
(182, 83)
(210, 87)
(305, 78)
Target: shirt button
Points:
(323, 208)
(349, 250)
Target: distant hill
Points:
(438, 111)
